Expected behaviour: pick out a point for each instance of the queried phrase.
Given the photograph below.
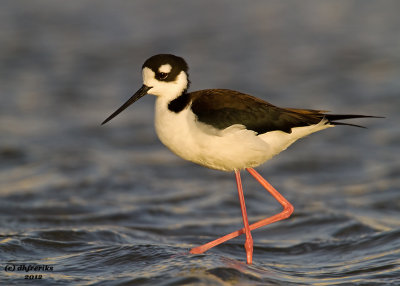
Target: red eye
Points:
(162, 75)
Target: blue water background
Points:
(110, 205)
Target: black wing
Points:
(222, 108)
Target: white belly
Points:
(232, 148)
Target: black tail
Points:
(333, 117)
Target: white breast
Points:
(232, 148)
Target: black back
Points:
(222, 108)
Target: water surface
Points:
(109, 205)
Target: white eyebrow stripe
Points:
(165, 68)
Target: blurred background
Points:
(109, 205)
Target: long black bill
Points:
(139, 94)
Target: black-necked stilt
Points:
(225, 130)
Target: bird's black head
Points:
(166, 67)
(164, 75)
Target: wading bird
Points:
(225, 130)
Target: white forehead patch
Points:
(148, 76)
(165, 68)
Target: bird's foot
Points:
(248, 246)
(197, 250)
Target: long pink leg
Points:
(249, 240)
(287, 211)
